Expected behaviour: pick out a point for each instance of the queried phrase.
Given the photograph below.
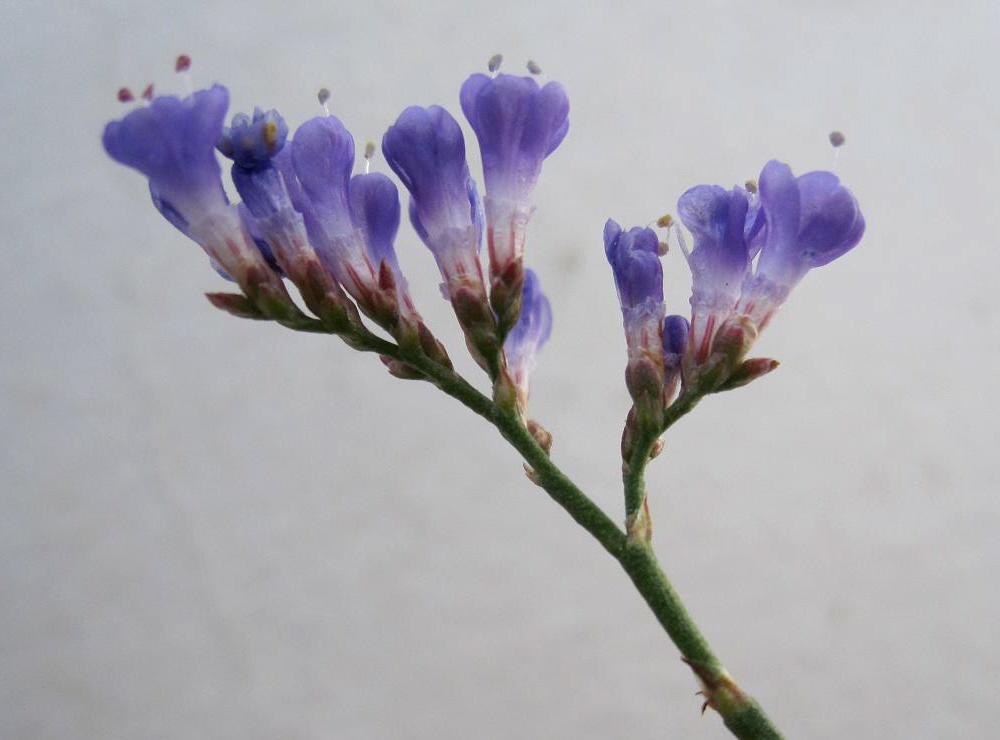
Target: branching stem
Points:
(740, 713)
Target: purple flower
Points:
(251, 142)
(322, 157)
(425, 148)
(675, 336)
(719, 262)
(316, 174)
(374, 204)
(172, 142)
(518, 125)
(810, 221)
(529, 334)
(635, 261)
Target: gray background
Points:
(219, 529)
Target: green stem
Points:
(634, 474)
(740, 713)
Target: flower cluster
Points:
(751, 247)
(305, 218)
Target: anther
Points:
(369, 153)
(494, 64)
(751, 186)
(270, 136)
(147, 94)
(323, 96)
(837, 140)
(125, 95)
(666, 221)
(182, 66)
(533, 67)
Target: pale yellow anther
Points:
(270, 136)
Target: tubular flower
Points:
(635, 261)
(172, 142)
(528, 336)
(675, 336)
(374, 204)
(719, 261)
(252, 143)
(425, 148)
(810, 221)
(751, 250)
(518, 124)
(317, 172)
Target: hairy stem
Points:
(634, 471)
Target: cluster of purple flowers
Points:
(304, 217)
(751, 247)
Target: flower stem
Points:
(633, 474)
(740, 713)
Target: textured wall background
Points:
(217, 529)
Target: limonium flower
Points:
(252, 143)
(425, 148)
(749, 252)
(528, 336)
(317, 172)
(172, 142)
(374, 204)
(716, 217)
(674, 337)
(635, 262)
(518, 124)
(256, 144)
(810, 221)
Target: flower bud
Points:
(734, 339)
(235, 304)
(748, 372)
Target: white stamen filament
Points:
(682, 242)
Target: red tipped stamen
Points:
(183, 63)
(147, 94)
(125, 95)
